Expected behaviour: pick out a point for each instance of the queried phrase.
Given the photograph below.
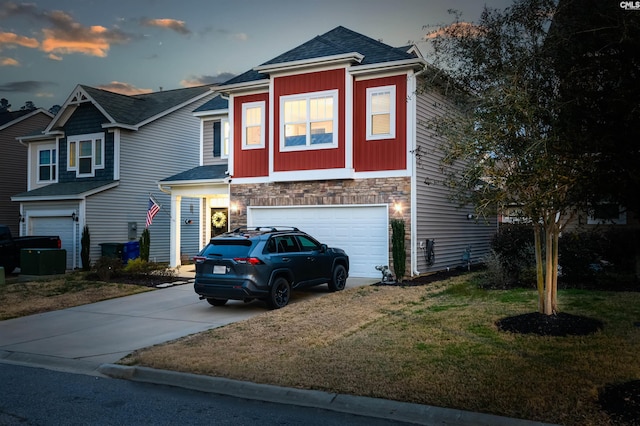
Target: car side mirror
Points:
(323, 248)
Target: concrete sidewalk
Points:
(90, 339)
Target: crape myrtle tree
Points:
(501, 147)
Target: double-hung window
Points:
(221, 138)
(309, 121)
(47, 164)
(381, 113)
(253, 117)
(85, 154)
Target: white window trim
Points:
(245, 107)
(392, 112)
(224, 138)
(54, 159)
(308, 96)
(94, 165)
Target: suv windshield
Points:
(227, 248)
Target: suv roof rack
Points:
(245, 230)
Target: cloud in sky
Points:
(25, 86)
(123, 88)
(202, 80)
(8, 62)
(62, 35)
(173, 24)
(12, 40)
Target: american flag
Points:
(151, 212)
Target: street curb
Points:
(357, 405)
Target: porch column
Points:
(174, 231)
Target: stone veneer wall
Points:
(324, 193)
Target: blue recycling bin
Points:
(130, 250)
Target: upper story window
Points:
(381, 112)
(221, 139)
(47, 162)
(253, 125)
(85, 154)
(309, 121)
(607, 214)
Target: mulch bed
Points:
(561, 324)
(622, 402)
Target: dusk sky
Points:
(138, 46)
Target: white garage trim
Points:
(361, 230)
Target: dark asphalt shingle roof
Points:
(338, 41)
(212, 172)
(132, 110)
(215, 104)
(66, 189)
(9, 116)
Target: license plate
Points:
(219, 269)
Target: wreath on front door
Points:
(219, 219)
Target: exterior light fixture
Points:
(74, 217)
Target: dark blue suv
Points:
(266, 263)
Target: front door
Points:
(219, 221)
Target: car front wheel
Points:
(280, 294)
(338, 278)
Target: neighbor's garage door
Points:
(59, 226)
(360, 231)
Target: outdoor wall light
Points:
(397, 207)
(74, 217)
(235, 208)
(21, 218)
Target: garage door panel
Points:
(58, 226)
(362, 231)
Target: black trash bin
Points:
(112, 250)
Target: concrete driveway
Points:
(86, 336)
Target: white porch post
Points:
(174, 231)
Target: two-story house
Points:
(13, 159)
(328, 137)
(98, 163)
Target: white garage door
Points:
(361, 231)
(60, 226)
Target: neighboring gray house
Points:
(111, 151)
(13, 159)
(328, 137)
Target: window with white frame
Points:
(309, 121)
(606, 213)
(85, 154)
(253, 117)
(47, 163)
(381, 112)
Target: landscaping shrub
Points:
(598, 257)
(512, 258)
(85, 254)
(145, 244)
(107, 267)
(398, 248)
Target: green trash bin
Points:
(43, 261)
(112, 250)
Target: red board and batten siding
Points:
(318, 158)
(385, 154)
(250, 162)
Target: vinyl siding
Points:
(13, 166)
(437, 217)
(165, 147)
